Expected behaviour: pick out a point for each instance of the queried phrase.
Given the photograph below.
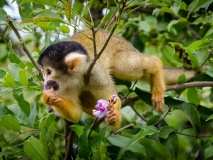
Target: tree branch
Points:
(69, 141)
(97, 56)
(190, 85)
(130, 101)
(24, 46)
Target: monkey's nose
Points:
(52, 84)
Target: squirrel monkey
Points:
(64, 65)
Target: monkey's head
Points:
(63, 65)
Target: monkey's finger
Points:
(110, 121)
(57, 100)
(110, 114)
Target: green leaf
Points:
(177, 6)
(195, 5)
(208, 152)
(23, 77)
(171, 143)
(192, 114)
(46, 26)
(44, 17)
(128, 114)
(65, 29)
(100, 153)
(2, 139)
(13, 57)
(165, 132)
(143, 25)
(4, 110)
(25, 9)
(204, 42)
(163, 10)
(14, 70)
(2, 73)
(205, 19)
(68, 8)
(84, 149)
(3, 19)
(209, 72)
(23, 104)
(10, 123)
(34, 149)
(47, 120)
(154, 119)
(209, 118)
(8, 81)
(192, 96)
(144, 96)
(33, 115)
(121, 141)
(143, 132)
(181, 79)
(46, 2)
(173, 22)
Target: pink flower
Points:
(102, 108)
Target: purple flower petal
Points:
(99, 114)
(45, 87)
(102, 108)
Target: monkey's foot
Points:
(112, 118)
(158, 100)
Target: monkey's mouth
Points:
(51, 84)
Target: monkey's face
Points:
(67, 78)
(50, 78)
(63, 65)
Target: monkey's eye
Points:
(48, 72)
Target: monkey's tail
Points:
(171, 75)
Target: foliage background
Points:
(180, 32)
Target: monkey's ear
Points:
(75, 61)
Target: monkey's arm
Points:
(101, 86)
(64, 107)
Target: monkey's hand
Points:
(49, 97)
(67, 109)
(113, 116)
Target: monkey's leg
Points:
(135, 66)
(157, 84)
(67, 109)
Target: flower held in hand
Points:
(102, 108)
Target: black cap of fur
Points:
(54, 54)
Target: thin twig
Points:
(94, 41)
(87, 76)
(190, 135)
(130, 101)
(24, 46)
(139, 115)
(92, 127)
(125, 127)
